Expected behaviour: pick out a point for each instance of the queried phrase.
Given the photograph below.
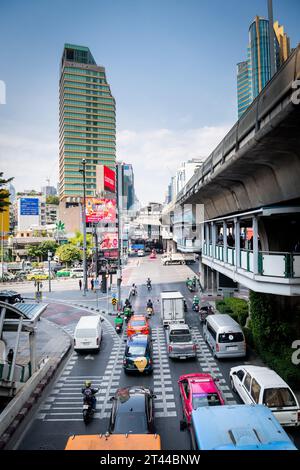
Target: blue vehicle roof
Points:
(238, 427)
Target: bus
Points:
(237, 427)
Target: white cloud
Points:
(29, 160)
(156, 154)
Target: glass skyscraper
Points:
(254, 74)
(87, 121)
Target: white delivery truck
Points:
(172, 307)
(178, 258)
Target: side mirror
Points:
(183, 425)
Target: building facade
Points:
(254, 73)
(87, 128)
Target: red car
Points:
(197, 390)
(138, 324)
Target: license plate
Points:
(85, 407)
(182, 357)
(232, 348)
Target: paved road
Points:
(59, 415)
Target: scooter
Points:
(119, 326)
(149, 311)
(204, 312)
(149, 287)
(196, 307)
(133, 291)
(87, 408)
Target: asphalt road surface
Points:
(60, 413)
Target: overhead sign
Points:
(100, 210)
(29, 206)
(105, 179)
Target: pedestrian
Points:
(10, 355)
(230, 240)
(80, 284)
(92, 284)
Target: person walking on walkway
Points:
(92, 284)
(80, 284)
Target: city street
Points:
(60, 414)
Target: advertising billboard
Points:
(29, 206)
(100, 210)
(105, 179)
(110, 240)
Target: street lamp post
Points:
(119, 269)
(82, 170)
(49, 268)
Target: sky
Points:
(171, 65)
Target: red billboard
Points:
(100, 210)
(109, 179)
(109, 240)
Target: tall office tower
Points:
(87, 128)
(257, 69)
(243, 87)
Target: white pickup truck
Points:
(172, 307)
(179, 341)
(178, 258)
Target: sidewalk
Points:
(51, 342)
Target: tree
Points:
(78, 241)
(41, 251)
(52, 200)
(4, 193)
(68, 253)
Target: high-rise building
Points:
(254, 74)
(87, 128)
(49, 190)
(243, 87)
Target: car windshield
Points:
(278, 397)
(137, 323)
(183, 338)
(135, 423)
(231, 337)
(136, 350)
(85, 333)
(205, 399)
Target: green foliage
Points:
(68, 253)
(4, 193)
(273, 335)
(41, 251)
(236, 308)
(52, 200)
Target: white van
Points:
(263, 386)
(224, 335)
(88, 333)
(76, 272)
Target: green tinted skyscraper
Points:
(87, 121)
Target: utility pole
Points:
(82, 170)
(118, 192)
(271, 37)
(49, 268)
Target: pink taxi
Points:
(197, 390)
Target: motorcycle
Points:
(149, 287)
(196, 307)
(127, 314)
(191, 287)
(119, 326)
(149, 311)
(204, 312)
(87, 408)
(133, 291)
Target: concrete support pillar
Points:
(32, 350)
(255, 244)
(212, 281)
(13, 364)
(225, 240)
(213, 239)
(2, 317)
(202, 236)
(237, 235)
(207, 240)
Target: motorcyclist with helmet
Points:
(89, 393)
(118, 321)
